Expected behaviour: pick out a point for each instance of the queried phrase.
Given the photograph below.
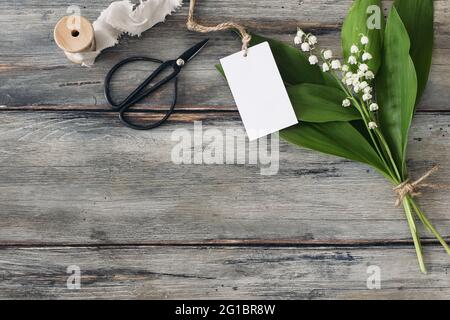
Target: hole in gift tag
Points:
(75, 33)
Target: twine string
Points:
(194, 26)
(412, 188)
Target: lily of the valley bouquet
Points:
(361, 107)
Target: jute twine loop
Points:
(194, 26)
(412, 189)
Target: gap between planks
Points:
(238, 243)
(140, 109)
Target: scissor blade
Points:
(192, 52)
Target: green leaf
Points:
(356, 24)
(319, 103)
(336, 138)
(221, 71)
(418, 18)
(293, 65)
(331, 81)
(396, 89)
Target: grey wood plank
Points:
(221, 273)
(34, 74)
(82, 178)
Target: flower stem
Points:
(386, 155)
(363, 115)
(386, 149)
(415, 234)
(389, 154)
(429, 225)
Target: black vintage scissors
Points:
(142, 91)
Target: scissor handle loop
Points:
(141, 92)
(166, 117)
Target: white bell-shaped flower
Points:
(336, 64)
(367, 97)
(368, 90)
(366, 56)
(363, 85)
(305, 47)
(328, 54)
(325, 67)
(374, 107)
(312, 40)
(363, 67)
(373, 125)
(354, 49)
(369, 75)
(352, 60)
(346, 103)
(364, 40)
(313, 60)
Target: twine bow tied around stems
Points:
(194, 26)
(412, 188)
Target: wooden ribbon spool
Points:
(74, 39)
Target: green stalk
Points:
(407, 203)
(427, 223)
(391, 158)
(386, 149)
(383, 155)
(415, 234)
(359, 108)
(395, 177)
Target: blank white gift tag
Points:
(259, 92)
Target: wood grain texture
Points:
(35, 74)
(84, 179)
(221, 273)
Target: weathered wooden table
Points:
(77, 188)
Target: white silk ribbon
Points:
(123, 17)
